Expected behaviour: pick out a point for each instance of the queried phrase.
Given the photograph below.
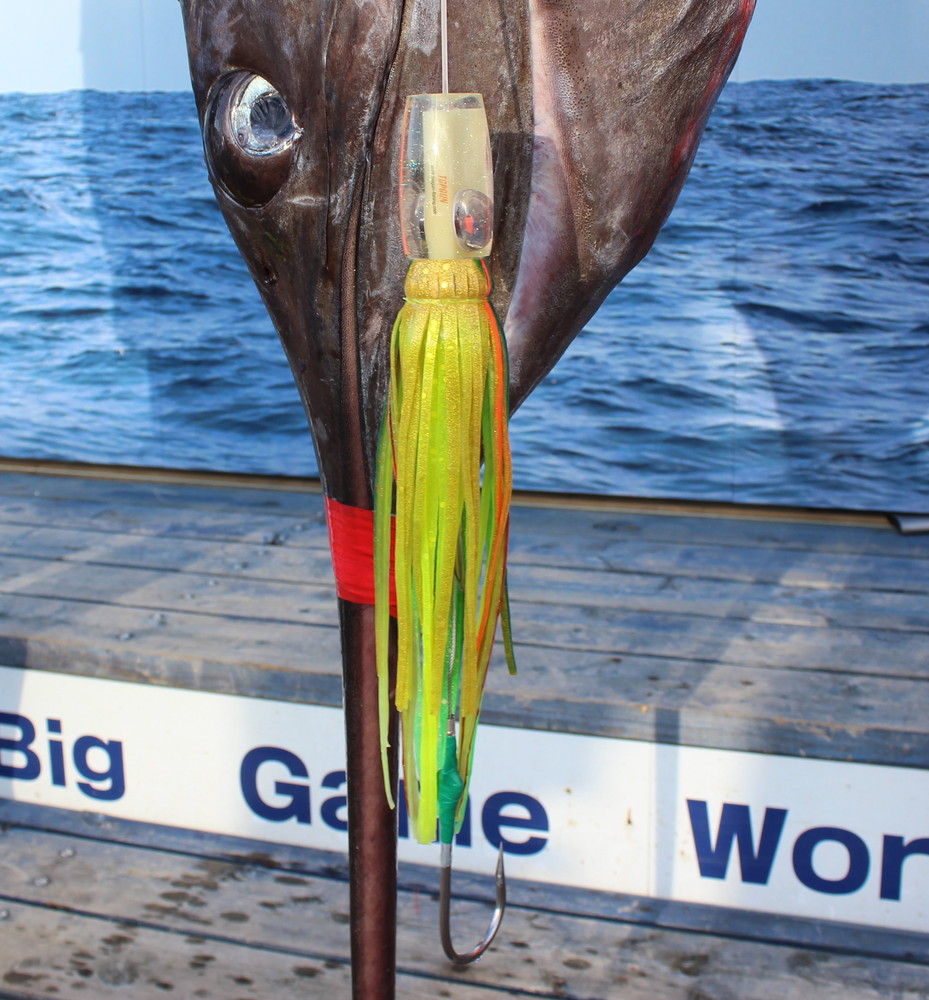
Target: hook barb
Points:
(445, 903)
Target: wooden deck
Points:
(774, 631)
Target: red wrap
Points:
(351, 539)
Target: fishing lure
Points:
(443, 463)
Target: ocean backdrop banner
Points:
(773, 347)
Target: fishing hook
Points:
(445, 903)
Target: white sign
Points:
(811, 838)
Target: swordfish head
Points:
(595, 110)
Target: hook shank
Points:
(445, 902)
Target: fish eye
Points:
(262, 123)
(250, 136)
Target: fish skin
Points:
(595, 108)
(591, 143)
(622, 90)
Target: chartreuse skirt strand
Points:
(444, 473)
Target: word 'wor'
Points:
(756, 859)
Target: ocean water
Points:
(773, 346)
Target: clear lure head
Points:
(446, 178)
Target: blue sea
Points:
(773, 346)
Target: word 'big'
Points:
(98, 762)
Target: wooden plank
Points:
(149, 487)
(575, 671)
(189, 922)
(873, 535)
(902, 569)
(234, 522)
(764, 526)
(876, 719)
(264, 659)
(178, 590)
(45, 954)
(665, 594)
(568, 627)
(666, 651)
(800, 569)
(880, 720)
(214, 558)
(180, 891)
(746, 600)
(908, 572)
(646, 911)
(723, 640)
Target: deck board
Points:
(289, 564)
(753, 637)
(624, 619)
(103, 916)
(799, 634)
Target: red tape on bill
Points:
(351, 538)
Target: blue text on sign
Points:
(501, 813)
(756, 860)
(22, 753)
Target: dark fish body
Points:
(595, 109)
